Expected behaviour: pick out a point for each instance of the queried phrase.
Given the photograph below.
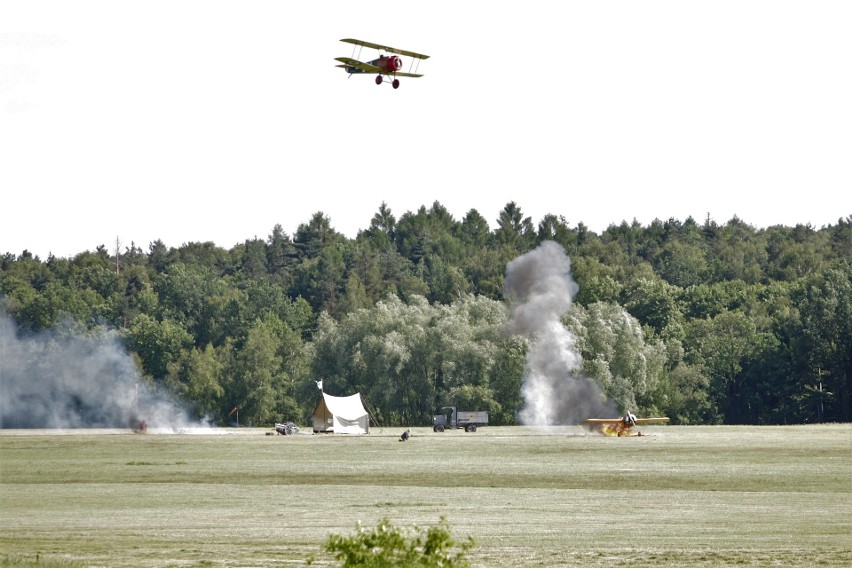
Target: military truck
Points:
(450, 417)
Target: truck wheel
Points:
(471, 428)
(438, 428)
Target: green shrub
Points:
(387, 546)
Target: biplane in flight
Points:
(385, 66)
(620, 426)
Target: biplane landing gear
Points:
(380, 80)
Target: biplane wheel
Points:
(395, 83)
(379, 79)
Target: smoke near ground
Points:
(540, 289)
(72, 379)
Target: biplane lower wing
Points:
(385, 48)
(355, 66)
(360, 66)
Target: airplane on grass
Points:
(385, 66)
(620, 426)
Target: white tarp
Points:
(341, 415)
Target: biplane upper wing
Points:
(366, 67)
(385, 48)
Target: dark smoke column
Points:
(540, 290)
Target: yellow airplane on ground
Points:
(620, 426)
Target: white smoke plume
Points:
(71, 379)
(540, 291)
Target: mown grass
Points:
(694, 496)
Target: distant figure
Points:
(405, 436)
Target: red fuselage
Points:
(388, 64)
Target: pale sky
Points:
(196, 120)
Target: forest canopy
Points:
(705, 323)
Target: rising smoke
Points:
(72, 379)
(540, 290)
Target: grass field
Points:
(681, 496)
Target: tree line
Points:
(703, 322)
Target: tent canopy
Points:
(341, 415)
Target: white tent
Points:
(341, 415)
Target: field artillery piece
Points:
(286, 428)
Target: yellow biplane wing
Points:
(621, 420)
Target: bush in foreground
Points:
(387, 546)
